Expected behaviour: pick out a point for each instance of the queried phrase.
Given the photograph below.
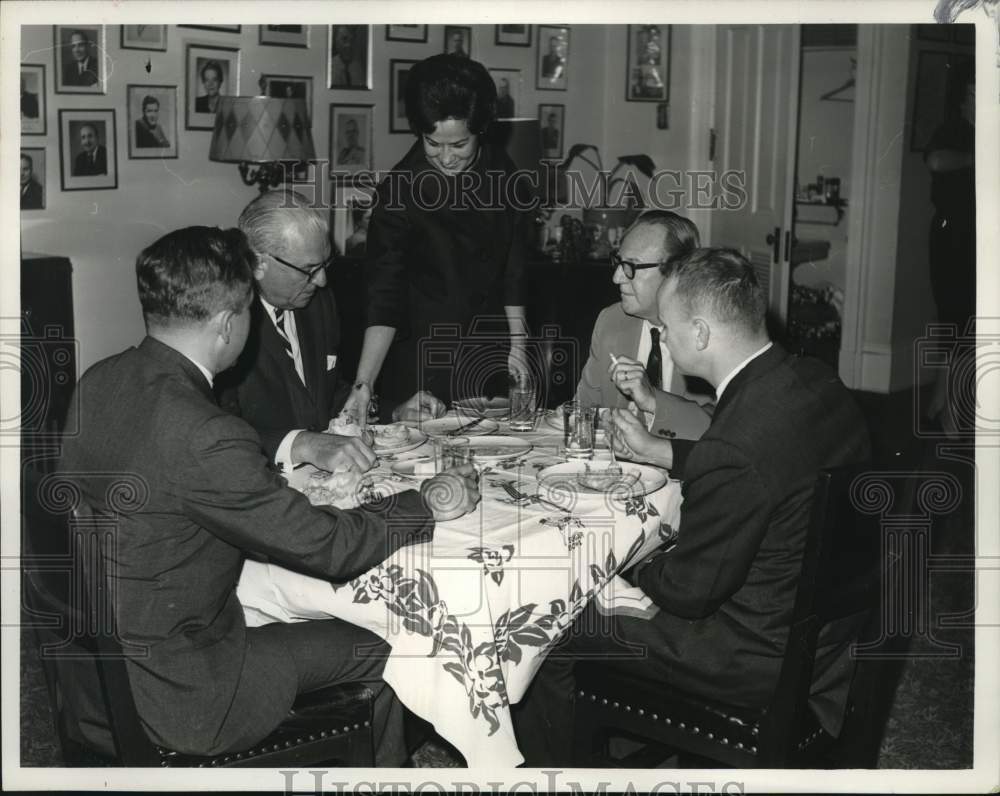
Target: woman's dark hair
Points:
(211, 65)
(449, 86)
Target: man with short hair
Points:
(287, 384)
(31, 191)
(80, 69)
(553, 62)
(725, 592)
(350, 153)
(200, 499)
(148, 133)
(92, 159)
(347, 69)
(629, 363)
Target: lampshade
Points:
(261, 130)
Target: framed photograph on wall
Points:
(284, 35)
(144, 37)
(349, 57)
(33, 110)
(351, 141)
(32, 186)
(552, 120)
(647, 72)
(399, 69)
(417, 33)
(552, 58)
(88, 150)
(458, 40)
(220, 28)
(349, 216)
(513, 35)
(79, 54)
(289, 87)
(152, 122)
(209, 73)
(508, 83)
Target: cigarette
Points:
(614, 359)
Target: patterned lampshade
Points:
(261, 130)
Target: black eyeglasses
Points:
(309, 271)
(628, 268)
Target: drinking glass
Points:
(578, 430)
(522, 403)
(451, 452)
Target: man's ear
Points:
(259, 269)
(223, 324)
(702, 333)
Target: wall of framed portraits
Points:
(110, 182)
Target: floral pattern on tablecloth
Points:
(492, 560)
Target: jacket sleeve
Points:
(677, 416)
(514, 291)
(228, 490)
(723, 521)
(589, 391)
(228, 395)
(389, 237)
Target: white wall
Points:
(103, 231)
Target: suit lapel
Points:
(273, 347)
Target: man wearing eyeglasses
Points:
(287, 384)
(629, 364)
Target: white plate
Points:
(414, 438)
(496, 449)
(559, 483)
(445, 425)
(481, 406)
(407, 467)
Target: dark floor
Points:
(930, 718)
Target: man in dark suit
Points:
(203, 682)
(31, 191)
(29, 102)
(625, 366)
(553, 62)
(93, 157)
(287, 383)
(725, 591)
(80, 69)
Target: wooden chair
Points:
(840, 578)
(76, 626)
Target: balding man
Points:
(726, 590)
(629, 363)
(287, 383)
(92, 159)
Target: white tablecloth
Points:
(471, 615)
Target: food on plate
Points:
(391, 435)
(346, 425)
(342, 489)
(607, 479)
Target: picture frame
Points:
(930, 101)
(219, 28)
(32, 185)
(647, 65)
(458, 40)
(144, 37)
(414, 33)
(349, 57)
(151, 127)
(80, 59)
(34, 103)
(552, 129)
(508, 83)
(512, 35)
(200, 63)
(349, 215)
(290, 86)
(552, 58)
(399, 68)
(352, 139)
(284, 36)
(88, 161)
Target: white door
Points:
(756, 117)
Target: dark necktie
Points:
(654, 365)
(279, 322)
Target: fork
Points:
(462, 429)
(515, 493)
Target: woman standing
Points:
(446, 250)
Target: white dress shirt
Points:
(283, 455)
(666, 366)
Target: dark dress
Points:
(440, 271)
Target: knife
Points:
(466, 427)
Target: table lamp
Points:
(264, 135)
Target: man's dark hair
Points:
(680, 238)
(211, 65)
(191, 274)
(450, 86)
(149, 100)
(81, 33)
(722, 284)
(28, 158)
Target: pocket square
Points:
(331, 361)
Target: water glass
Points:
(522, 403)
(451, 452)
(578, 430)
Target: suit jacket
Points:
(204, 497)
(263, 387)
(617, 333)
(72, 75)
(728, 586)
(31, 196)
(146, 138)
(29, 104)
(84, 166)
(201, 104)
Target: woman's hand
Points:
(422, 406)
(357, 403)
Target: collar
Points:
(168, 354)
(204, 371)
(646, 326)
(725, 382)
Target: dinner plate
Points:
(496, 449)
(560, 482)
(408, 467)
(443, 426)
(481, 406)
(414, 438)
